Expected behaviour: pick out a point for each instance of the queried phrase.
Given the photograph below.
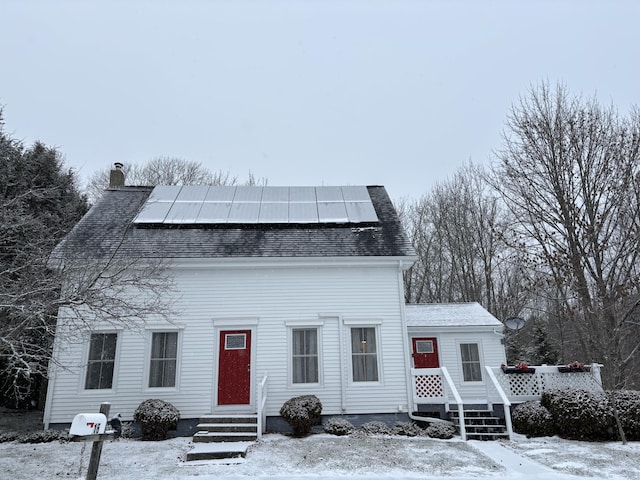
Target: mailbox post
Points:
(91, 428)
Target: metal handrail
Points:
(262, 401)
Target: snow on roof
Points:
(449, 315)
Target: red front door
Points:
(425, 353)
(234, 368)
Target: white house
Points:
(279, 292)
(299, 286)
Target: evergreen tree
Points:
(39, 203)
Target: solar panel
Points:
(193, 193)
(164, 193)
(183, 213)
(302, 194)
(332, 212)
(357, 193)
(248, 194)
(222, 193)
(201, 204)
(153, 212)
(244, 212)
(274, 212)
(214, 212)
(361, 212)
(303, 212)
(329, 194)
(275, 194)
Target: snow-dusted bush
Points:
(375, 428)
(338, 426)
(408, 429)
(441, 430)
(532, 419)
(39, 436)
(43, 436)
(580, 414)
(8, 437)
(301, 413)
(156, 418)
(628, 406)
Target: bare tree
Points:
(166, 171)
(457, 231)
(569, 171)
(39, 204)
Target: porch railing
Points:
(506, 403)
(262, 401)
(522, 387)
(435, 386)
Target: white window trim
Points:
(299, 325)
(147, 358)
(116, 364)
(357, 323)
(480, 358)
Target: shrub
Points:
(338, 426)
(301, 413)
(156, 418)
(628, 406)
(408, 429)
(39, 436)
(43, 436)
(375, 428)
(8, 437)
(532, 419)
(440, 430)
(580, 414)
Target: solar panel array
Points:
(207, 205)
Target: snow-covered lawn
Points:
(326, 456)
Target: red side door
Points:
(425, 353)
(234, 368)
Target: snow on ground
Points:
(329, 457)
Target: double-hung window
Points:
(164, 359)
(305, 355)
(471, 367)
(364, 354)
(101, 361)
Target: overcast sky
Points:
(395, 93)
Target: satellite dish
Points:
(514, 323)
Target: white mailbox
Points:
(88, 424)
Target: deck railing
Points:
(435, 386)
(522, 387)
(262, 401)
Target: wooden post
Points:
(96, 450)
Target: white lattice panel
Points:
(581, 380)
(428, 386)
(524, 384)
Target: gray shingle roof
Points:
(107, 229)
(450, 315)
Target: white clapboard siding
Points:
(273, 295)
(491, 353)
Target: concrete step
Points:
(211, 418)
(216, 451)
(226, 437)
(227, 427)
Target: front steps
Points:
(481, 425)
(223, 436)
